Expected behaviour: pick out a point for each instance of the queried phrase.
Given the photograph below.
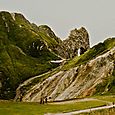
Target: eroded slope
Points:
(89, 74)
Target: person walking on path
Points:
(46, 100)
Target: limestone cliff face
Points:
(77, 40)
(94, 76)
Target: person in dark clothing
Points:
(46, 100)
(41, 100)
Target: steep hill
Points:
(91, 73)
(23, 53)
(26, 50)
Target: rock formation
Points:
(68, 48)
(85, 76)
(78, 40)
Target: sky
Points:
(97, 16)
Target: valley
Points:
(35, 63)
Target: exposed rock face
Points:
(77, 40)
(95, 76)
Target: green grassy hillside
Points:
(23, 52)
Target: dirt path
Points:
(74, 101)
(83, 111)
(80, 100)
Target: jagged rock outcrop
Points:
(68, 48)
(77, 42)
(85, 76)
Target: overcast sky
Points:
(98, 16)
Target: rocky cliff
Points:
(68, 48)
(91, 73)
(77, 42)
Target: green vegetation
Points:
(23, 53)
(107, 86)
(26, 51)
(14, 108)
(51, 42)
(110, 111)
(109, 98)
(91, 53)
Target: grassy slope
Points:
(109, 98)
(20, 108)
(18, 62)
(13, 108)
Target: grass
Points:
(50, 41)
(110, 111)
(21, 108)
(106, 98)
(19, 58)
(18, 67)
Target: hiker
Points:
(46, 100)
(41, 100)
